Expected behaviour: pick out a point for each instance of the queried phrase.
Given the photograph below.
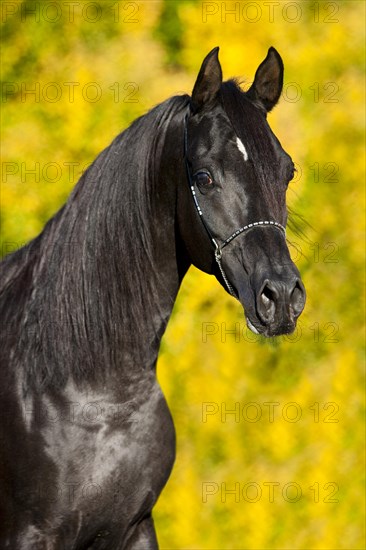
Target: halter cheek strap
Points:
(218, 247)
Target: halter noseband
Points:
(218, 248)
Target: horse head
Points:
(234, 214)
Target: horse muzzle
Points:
(277, 305)
(260, 273)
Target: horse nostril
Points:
(266, 303)
(297, 298)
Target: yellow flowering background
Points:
(270, 441)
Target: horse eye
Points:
(203, 179)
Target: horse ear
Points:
(268, 81)
(208, 81)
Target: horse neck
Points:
(110, 272)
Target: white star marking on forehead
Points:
(241, 148)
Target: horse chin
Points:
(270, 331)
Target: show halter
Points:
(218, 247)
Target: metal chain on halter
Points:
(218, 248)
(218, 255)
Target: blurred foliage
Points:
(170, 32)
(147, 51)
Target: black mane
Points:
(57, 293)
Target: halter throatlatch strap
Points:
(218, 247)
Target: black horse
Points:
(87, 440)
